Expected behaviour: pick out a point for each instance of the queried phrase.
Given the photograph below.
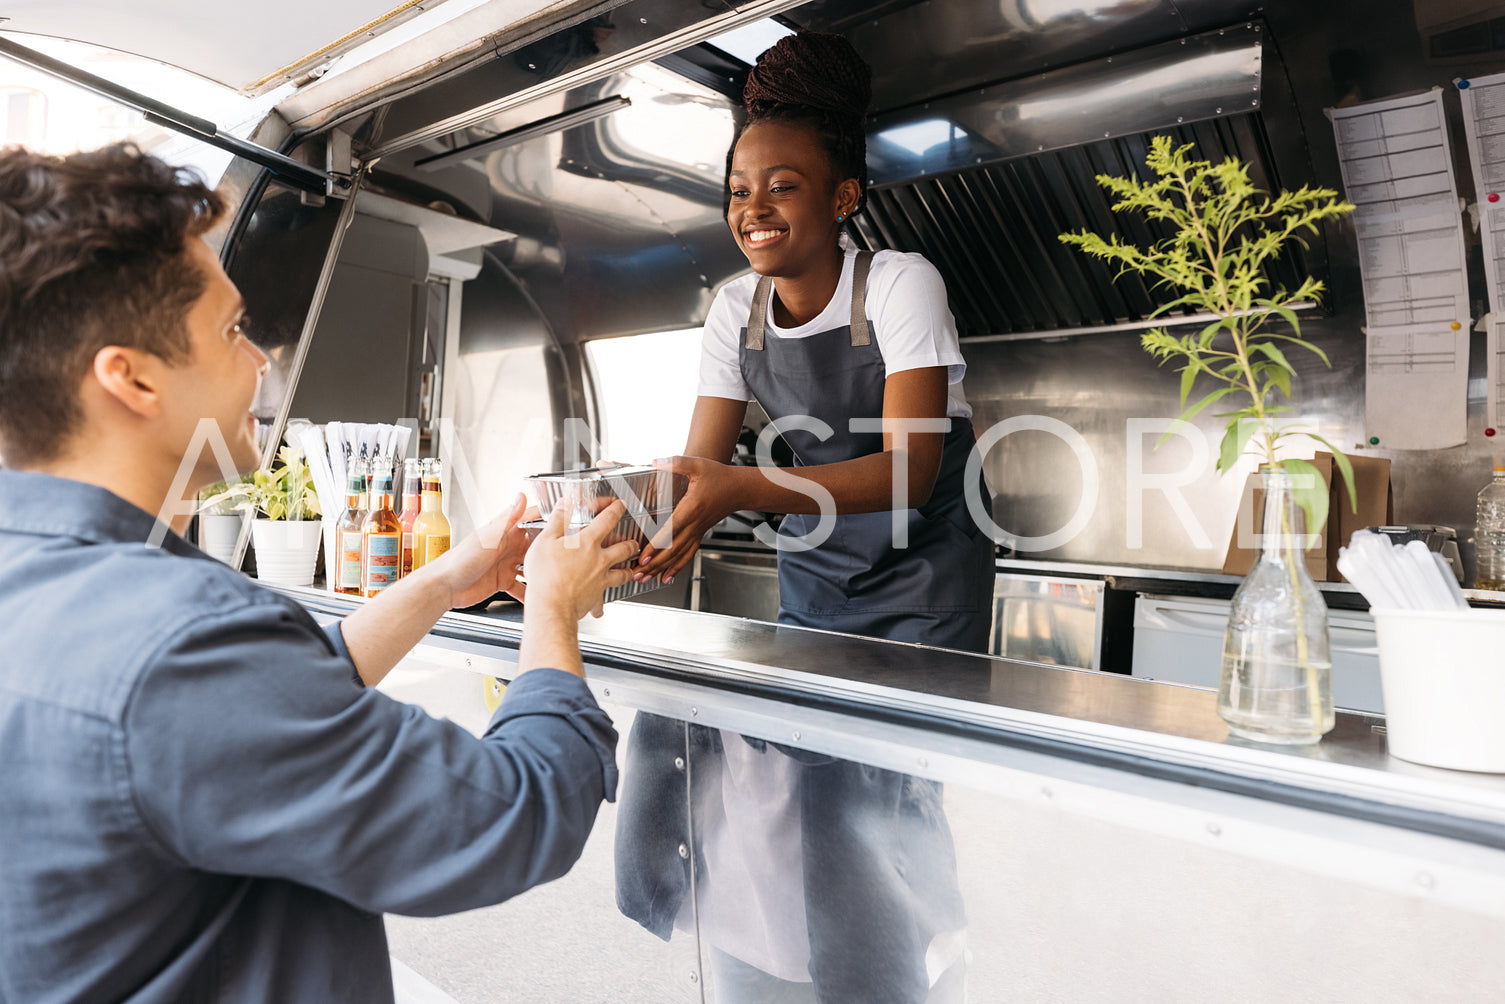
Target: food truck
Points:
(500, 224)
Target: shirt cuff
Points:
(336, 635)
(547, 691)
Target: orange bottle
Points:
(411, 496)
(381, 534)
(431, 528)
(346, 566)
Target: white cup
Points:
(1443, 674)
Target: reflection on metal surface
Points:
(1058, 622)
(543, 127)
(1164, 85)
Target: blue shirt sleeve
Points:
(252, 750)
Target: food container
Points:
(639, 528)
(1444, 686)
(644, 489)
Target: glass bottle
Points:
(1489, 532)
(1276, 685)
(412, 489)
(431, 528)
(347, 534)
(381, 534)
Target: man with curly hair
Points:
(201, 797)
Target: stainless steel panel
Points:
(1156, 87)
(1057, 622)
(739, 584)
(1180, 640)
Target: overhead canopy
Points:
(249, 47)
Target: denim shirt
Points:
(200, 802)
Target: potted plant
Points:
(219, 522)
(286, 529)
(1276, 682)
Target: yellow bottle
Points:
(431, 528)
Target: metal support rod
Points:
(305, 338)
(543, 127)
(1165, 321)
(294, 172)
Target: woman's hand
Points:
(713, 493)
(567, 575)
(486, 562)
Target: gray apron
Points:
(939, 590)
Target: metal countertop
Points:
(1142, 726)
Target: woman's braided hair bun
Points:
(817, 79)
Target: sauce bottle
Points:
(347, 534)
(431, 528)
(381, 534)
(411, 493)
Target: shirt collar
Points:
(46, 505)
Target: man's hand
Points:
(568, 574)
(473, 571)
(566, 577)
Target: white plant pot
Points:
(286, 550)
(218, 532)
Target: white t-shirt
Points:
(906, 306)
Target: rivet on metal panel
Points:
(1110, 59)
(694, 712)
(1254, 103)
(684, 851)
(923, 762)
(1106, 135)
(679, 763)
(1214, 829)
(642, 20)
(796, 736)
(1217, 111)
(532, 66)
(1047, 793)
(1179, 119)
(467, 662)
(605, 692)
(694, 977)
(1425, 880)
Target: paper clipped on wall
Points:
(1484, 124)
(1398, 172)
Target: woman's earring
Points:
(840, 218)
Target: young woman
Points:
(817, 880)
(847, 338)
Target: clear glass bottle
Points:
(412, 490)
(347, 535)
(1489, 532)
(381, 534)
(1276, 685)
(431, 528)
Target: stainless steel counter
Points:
(1143, 727)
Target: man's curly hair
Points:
(92, 253)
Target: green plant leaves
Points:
(1224, 232)
(1310, 492)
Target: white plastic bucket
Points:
(1443, 674)
(218, 533)
(286, 550)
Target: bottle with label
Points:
(347, 535)
(1489, 532)
(431, 528)
(381, 534)
(412, 489)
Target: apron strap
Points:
(861, 335)
(757, 319)
(759, 315)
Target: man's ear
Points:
(131, 378)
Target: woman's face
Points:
(784, 202)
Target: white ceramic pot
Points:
(218, 533)
(286, 550)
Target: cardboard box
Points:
(1371, 480)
